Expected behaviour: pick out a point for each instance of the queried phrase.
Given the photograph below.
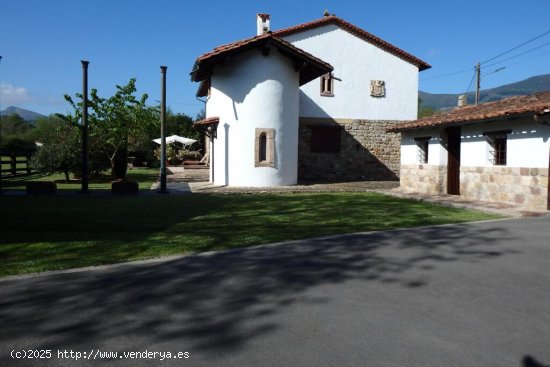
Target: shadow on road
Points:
(218, 303)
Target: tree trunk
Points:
(119, 164)
(66, 172)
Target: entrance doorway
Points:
(453, 160)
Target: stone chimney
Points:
(462, 100)
(262, 21)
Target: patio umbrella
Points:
(176, 139)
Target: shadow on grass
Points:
(42, 233)
(102, 182)
(216, 304)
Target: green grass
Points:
(6, 158)
(144, 176)
(45, 233)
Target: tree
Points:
(424, 111)
(117, 123)
(17, 134)
(60, 150)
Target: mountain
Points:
(23, 113)
(540, 83)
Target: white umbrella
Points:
(176, 139)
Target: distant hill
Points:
(23, 113)
(540, 83)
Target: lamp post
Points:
(0, 140)
(163, 131)
(84, 188)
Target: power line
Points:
(518, 55)
(516, 47)
(448, 74)
(499, 55)
(529, 59)
(471, 82)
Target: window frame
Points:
(423, 145)
(498, 146)
(327, 80)
(269, 136)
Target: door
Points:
(453, 161)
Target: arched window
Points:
(263, 148)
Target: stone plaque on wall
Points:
(377, 88)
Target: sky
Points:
(42, 42)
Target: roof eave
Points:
(464, 122)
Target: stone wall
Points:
(527, 187)
(367, 152)
(423, 178)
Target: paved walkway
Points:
(474, 294)
(186, 181)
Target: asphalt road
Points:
(458, 295)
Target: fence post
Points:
(13, 164)
(28, 164)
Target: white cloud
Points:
(12, 95)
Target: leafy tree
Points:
(17, 135)
(60, 150)
(424, 111)
(117, 124)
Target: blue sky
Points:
(42, 42)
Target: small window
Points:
(264, 148)
(497, 146)
(423, 144)
(325, 139)
(327, 85)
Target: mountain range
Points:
(539, 83)
(23, 113)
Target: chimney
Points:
(462, 100)
(262, 21)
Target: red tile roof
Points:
(207, 121)
(537, 104)
(357, 32)
(311, 67)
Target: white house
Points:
(497, 151)
(330, 128)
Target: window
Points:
(327, 85)
(325, 139)
(497, 146)
(264, 148)
(423, 144)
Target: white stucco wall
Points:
(527, 145)
(437, 154)
(357, 62)
(254, 91)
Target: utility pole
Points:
(478, 81)
(84, 188)
(0, 141)
(163, 131)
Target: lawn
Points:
(59, 232)
(144, 176)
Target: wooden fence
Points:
(17, 163)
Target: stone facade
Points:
(367, 151)
(525, 187)
(424, 178)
